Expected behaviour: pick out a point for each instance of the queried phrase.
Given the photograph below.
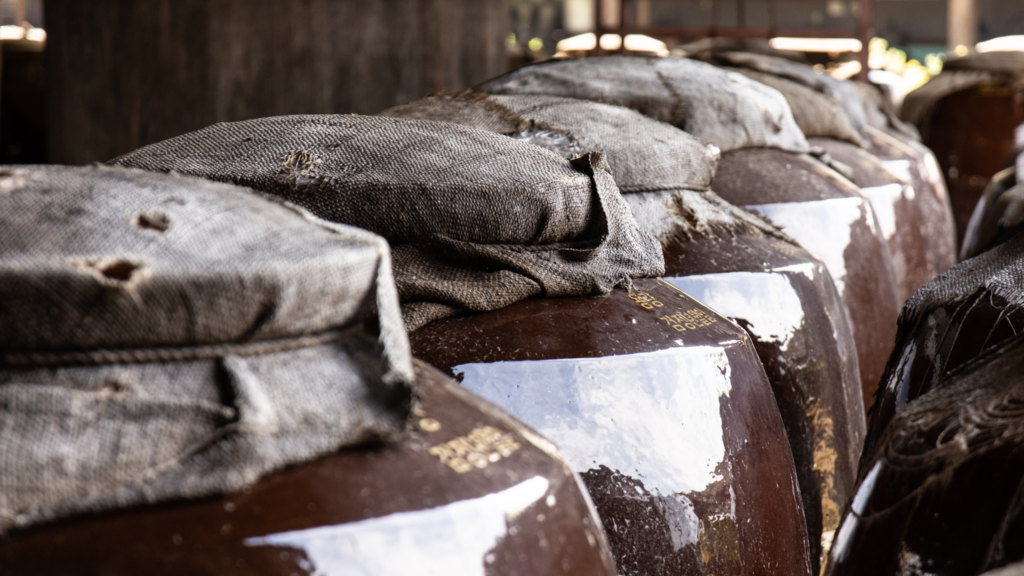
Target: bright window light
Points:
(817, 44)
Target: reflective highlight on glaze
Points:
(653, 416)
(767, 302)
(786, 300)
(663, 407)
(376, 509)
(427, 542)
(824, 227)
(883, 200)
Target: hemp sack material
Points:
(844, 92)
(476, 221)
(664, 173)
(720, 107)
(168, 338)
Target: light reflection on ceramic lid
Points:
(823, 227)
(653, 415)
(883, 200)
(765, 300)
(900, 168)
(451, 539)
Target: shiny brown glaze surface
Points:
(971, 132)
(914, 162)
(664, 408)
(941, 492)
(786, 300)
(831, 219)
(470, 490)
(989, 225)
(943, 340)
(894, 201)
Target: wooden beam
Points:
(125, 73)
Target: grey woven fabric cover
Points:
(722, 108)
(844, 92)
(665, 172)
(644, 154)
(476, 221)
(166, 337)
(816, 113)
(683, 215)
(881, 114)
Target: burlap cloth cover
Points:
(844, 92)
(664, 173)
(720, 107)
(166, 337)
(476, 221)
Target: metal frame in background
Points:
(864, 31)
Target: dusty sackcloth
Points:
(720, 107)
(816, 113)
(476, 220)
(664, 173)
(844, 92)
(881, 113)
(166, 337)
(941, 492)
(971, 307)
(705, 47)
(644, 154)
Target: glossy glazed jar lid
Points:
(167, 337)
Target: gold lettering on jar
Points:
(478, 449)
(646, 300)
(689, 320)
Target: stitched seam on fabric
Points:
(148, 355)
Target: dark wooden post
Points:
(865, 32)
(125, 73)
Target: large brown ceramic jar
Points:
(469, 490)
(967, 115)
(940, 492)
(723, 256)
(916, 164)
(786, 301)
(843, 117)
(829, 216)
(895, 204)
(663, 408)
(753, 126)
(1000, 212)
(953, 319)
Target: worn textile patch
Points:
(476, 221)
(167, 337)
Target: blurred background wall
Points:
(125, 73)
(86, 80)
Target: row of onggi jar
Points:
(617, 315)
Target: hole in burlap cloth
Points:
(118, 272)
(10, 179)
(153, 221)
(299, 162)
